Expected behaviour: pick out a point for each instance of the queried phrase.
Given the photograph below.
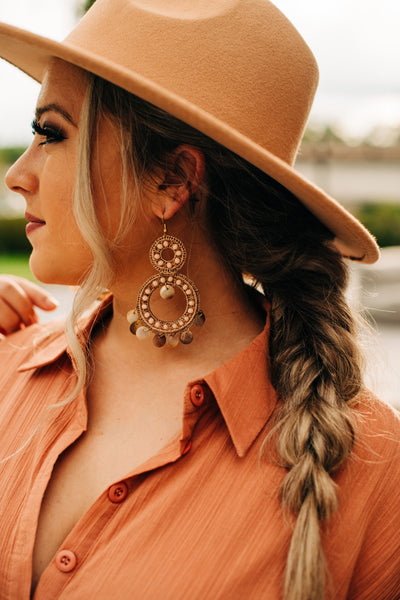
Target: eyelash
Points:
(52, 134)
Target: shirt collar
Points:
(242, 387)
(243, 390)
(52, 342)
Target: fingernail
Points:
(51, 302)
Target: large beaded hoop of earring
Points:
(167, 255)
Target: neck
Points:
(232, 321)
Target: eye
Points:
(49, 132)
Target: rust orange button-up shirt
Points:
(202, 518)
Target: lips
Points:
(33, 223)
(31, 219)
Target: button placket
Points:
(197, 396)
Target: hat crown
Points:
(240, 61)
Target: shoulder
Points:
(372, 473)
(31, 378)
(370, 501)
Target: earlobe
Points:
(180, 182)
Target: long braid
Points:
(315, 372)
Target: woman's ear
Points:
(180, 180)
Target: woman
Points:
(238, 455)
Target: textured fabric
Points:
(201, 520)
(236, 70)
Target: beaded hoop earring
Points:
(167, 255)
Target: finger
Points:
(9, 320)
(38, 296)
(18, 302)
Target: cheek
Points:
(59, 170)
(107, 175)
(57, 188)
(108, 198)
(61, 233)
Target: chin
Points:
(53, 272)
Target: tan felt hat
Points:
(237, 70)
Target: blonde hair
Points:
(262, 230)
(316, 372)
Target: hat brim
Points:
(31, 53)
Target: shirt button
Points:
(118, 492)
(65, 561)
(197, 395)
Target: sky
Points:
(356, 43)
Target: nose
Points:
(21, 176)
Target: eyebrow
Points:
(55, 108)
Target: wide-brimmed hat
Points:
(237, 70)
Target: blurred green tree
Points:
(383, 221)
(10, 154)
(87, 5)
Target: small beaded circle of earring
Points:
(167, 255)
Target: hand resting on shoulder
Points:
(18, 299)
